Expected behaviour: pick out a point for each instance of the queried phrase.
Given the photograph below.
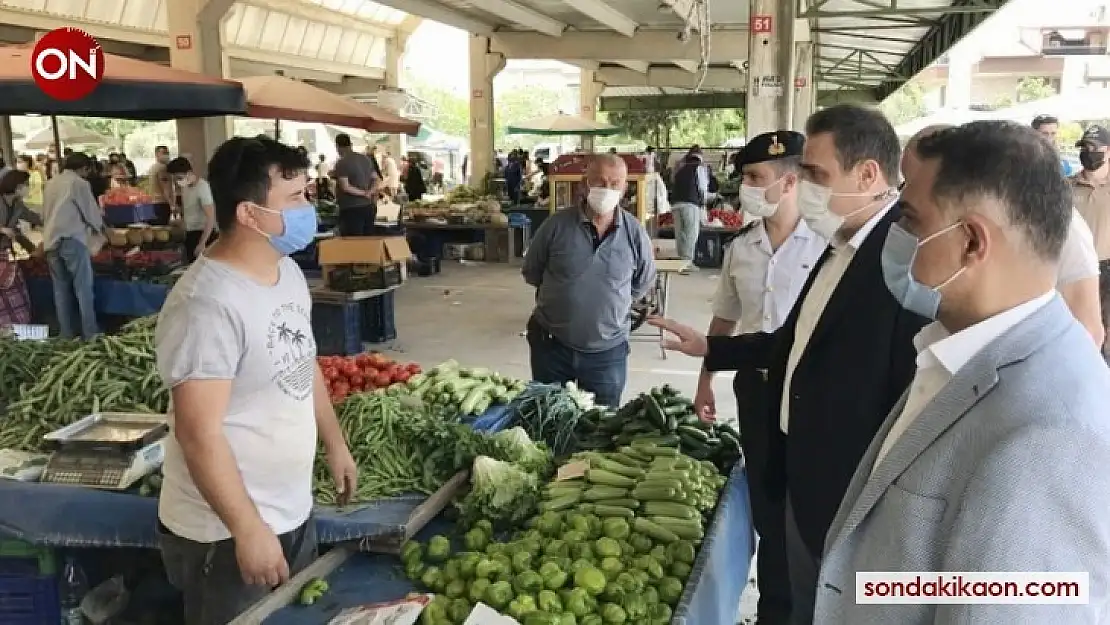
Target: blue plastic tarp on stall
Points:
(56, 515)
(111, 297)
(712, 595)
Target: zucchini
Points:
(635, 454)
(654, 530)
(631, 504)
(684, 529)
(627, 461)
(677, 409)
(669, 509)
(560, 504)
(660, 483)
(616, 467)
(655, 493)
(654, 412)
(693, 432)
(657, 440)
(608, 478)
(680, 476)
(598, 493)
(613, 511)
(655, 451)
(629, 410)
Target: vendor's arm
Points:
(643, 278)
(339, 458)
(28, 215)
(535, 259)
(208, 205)
(1026, 508)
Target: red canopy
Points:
(131, 89)
(278, 97)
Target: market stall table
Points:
(712, 594)
(112, 297)
(664, 269)
(437, 235)
(712, 242)
(54, 515)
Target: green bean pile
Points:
(109, 373)
(398, 448)
(24, 361)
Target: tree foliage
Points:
(450, 111)
(905, 104)
(707, 127)
(1033, 88)
(517, 105)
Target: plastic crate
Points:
(29, 600)
(378, 324)
(337, 328)
(24, 559)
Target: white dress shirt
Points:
(828, 277)
(759, 284)
(940, 355)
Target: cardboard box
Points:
(363, 256)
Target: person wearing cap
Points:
(689, 193)
(1091, 195)
(764, 270)
(71, 216)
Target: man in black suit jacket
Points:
(845, 354)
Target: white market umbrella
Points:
(951, 117)
(557, 125)
(68, 132)
(1078, 106)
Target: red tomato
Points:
(379, 360)
(356, 379)
(362, 359)
(402, 376)
(330, 373)
(412, 368)
(349, 369)
(382, 380)
(368, 370)
(342, 388)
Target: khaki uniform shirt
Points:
(1092, 200)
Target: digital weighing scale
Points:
(108, 450)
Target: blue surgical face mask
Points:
(899, 252)
(298, 228)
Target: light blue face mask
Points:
(298, 228)
(899, 252)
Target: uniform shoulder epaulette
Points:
(749, 227)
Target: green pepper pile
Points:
(611, 547)
(669, 417)
(114, 373)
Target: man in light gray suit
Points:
(997, 458)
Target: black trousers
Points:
(357, 221)
(192, 239)
(768, 509)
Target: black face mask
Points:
(1091, 160)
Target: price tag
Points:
(572, 470)
(762, 24)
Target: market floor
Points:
(475, 313)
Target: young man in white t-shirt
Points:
(197, 210)
(235, 346)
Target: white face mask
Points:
(753, 200)
(813, 204)
(602, 201)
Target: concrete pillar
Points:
(767, 89)
(394, 70)
(961, 66)
(196, 44)
(589, 90)
(804, 90)
(1074, 76)
(484, 66)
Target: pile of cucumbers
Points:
(663, 417)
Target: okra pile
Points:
(664, 417)
(114, 372)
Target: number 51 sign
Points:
(762, 24)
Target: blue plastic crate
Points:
(29, 600)
(337, 328)
(378, 323)
(124, 215)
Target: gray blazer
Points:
(1007, 469)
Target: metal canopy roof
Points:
(347, 37)
(877, 45)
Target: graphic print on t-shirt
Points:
(292, 350)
